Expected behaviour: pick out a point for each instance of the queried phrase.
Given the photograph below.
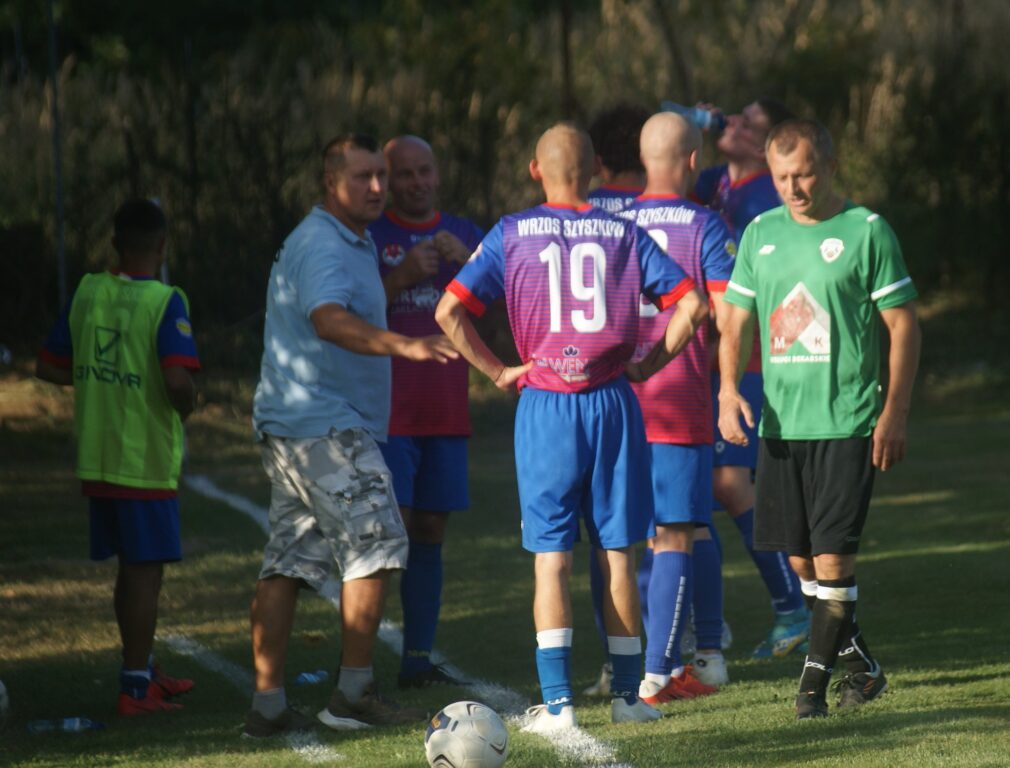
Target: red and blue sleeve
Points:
(718, 250)
(176, 345)
(663, 280)
(482, 278)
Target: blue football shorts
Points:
(727, 454)
(682, 483)
(429, 473)
(582, 457)
(138, 531)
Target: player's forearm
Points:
(336, 325)
(735, 344)
(691, 312)
(903, 358)
(397, 281)
(181, 390)
(452, 317)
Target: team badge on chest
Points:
(831, 249)
(393, 254)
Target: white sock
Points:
(271, 704)
(660, 680)
(353, 681)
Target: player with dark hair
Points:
(420, 250)
(740, 190)
(124, 342)
(614, 133)
(572, 276)
(820, 275)
(321, 405)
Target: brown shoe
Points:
(371, 709)
(289, 721)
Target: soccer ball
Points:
(466, 734)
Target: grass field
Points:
(934, 585)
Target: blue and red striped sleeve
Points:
(482, 278)
(663, 280)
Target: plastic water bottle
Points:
(706, 120)
(311, 678)
(67, 725)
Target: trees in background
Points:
(219, 111)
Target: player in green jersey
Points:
(820, 274)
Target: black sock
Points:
(829, 626)
(855, 653)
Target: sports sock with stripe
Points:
(669, 605)
(626, 661)
(829, 626)
(554, 661)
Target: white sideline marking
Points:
(305, 745)
(576, 745)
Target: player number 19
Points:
(596, 292)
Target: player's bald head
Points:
(402, 147)
(667, 139)
(565, 155)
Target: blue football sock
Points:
(421, 594)
(134, 682)
(626, 661)
(782, 583)
(644, 575)
(554, 668)
(708, 591)
(596, 593)
(669, 602)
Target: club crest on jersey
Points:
(393, 254)
(831, 249)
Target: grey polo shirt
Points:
(309, 386)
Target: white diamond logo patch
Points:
(799, 329)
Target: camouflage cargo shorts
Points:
(331, 504)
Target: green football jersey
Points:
(817, 290)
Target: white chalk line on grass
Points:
(305, 745)
(576, 745)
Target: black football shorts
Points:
(812, 495)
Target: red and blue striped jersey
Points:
(677, 401)
(612, 198)
(572, 280)
(739, 203)
(428, 398)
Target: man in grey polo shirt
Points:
(321, 404)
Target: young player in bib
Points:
(820, 275)
(420, 250)
(126, 345)
(572, 276)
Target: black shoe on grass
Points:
(811, 704)
(857, 688)
(436, 674)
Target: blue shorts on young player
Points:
(582, 456)
(727, 454)
(429, 473)
(138, 531)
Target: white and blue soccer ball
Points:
(466, 734)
